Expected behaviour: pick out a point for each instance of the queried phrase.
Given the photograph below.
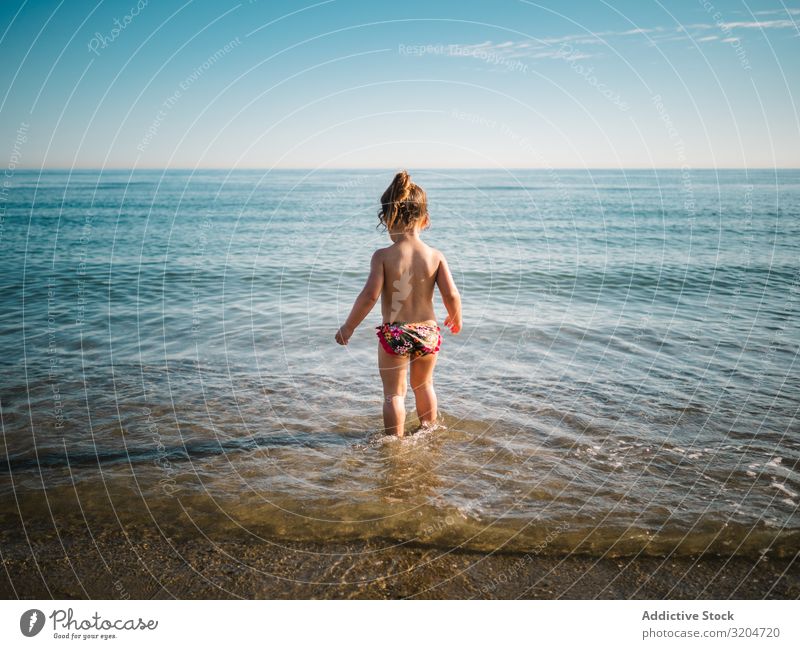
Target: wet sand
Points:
(111, 564)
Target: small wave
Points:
(420, 436)
(784, 489)
(175, 453)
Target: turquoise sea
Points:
(626, 381)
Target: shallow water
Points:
(626, 380)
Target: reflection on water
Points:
(624, 382)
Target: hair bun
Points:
(403, 203)
(402, 180)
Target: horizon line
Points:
(797, 168)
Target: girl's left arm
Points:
(365, 301)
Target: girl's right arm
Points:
(450, 295)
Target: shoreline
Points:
(115, 565)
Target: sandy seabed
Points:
(111, 564)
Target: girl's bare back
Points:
(410, 269)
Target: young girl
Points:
(403, 275)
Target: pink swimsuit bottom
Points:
(414, 338)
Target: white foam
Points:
(784, 489)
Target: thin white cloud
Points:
(760, 24)
(778, 12)
(553, 47)
(565, 47)
(505, 52)
(638, 30)
(753, 24)
(668, 39)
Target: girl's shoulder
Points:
(434, 252)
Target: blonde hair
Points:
(403, 204)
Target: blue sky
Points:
(412, 84)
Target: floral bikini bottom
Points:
(414, 338)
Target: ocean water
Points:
(626, 380)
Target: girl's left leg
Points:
(393, 370)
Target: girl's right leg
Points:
(422, 384)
